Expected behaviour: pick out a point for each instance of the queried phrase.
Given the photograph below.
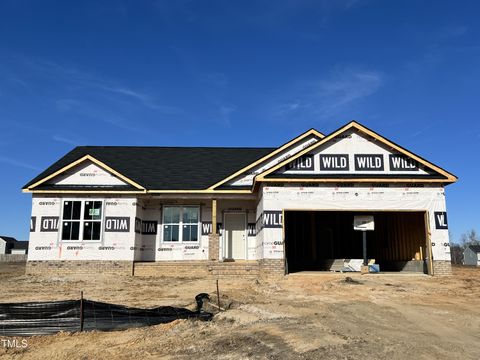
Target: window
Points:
(82, 220)
(180, 223)
(171, 224)
(92, 216)
(71, 220)
(190, 224)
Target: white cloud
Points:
(225, 112)
(69, 78)
(146, 100)
(98, 112)
(66, 140)
(439, 46)
(217, 79)
(16, 163)
(347, 86)
(333, 94)
(67, 104)
(421, 131)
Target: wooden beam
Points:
(269, 155)
(449, 178)
(351, 180)
(214, 216)
(93, 160)
(429, 244)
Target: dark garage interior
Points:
(314, 239)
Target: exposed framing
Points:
(83, 191)
(449, 178)
(428, 242)
(79, 161)
(270, 155)
(428, 234)
(353, 180)
(285, 260)
(138, 191)
(262, 177)
(206, 191)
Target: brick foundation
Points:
(69, 267)
(272, 268)
(200, 269)
(265, 268)
(442, 268)
(215, 269)
(237, 269)
(213, 247)
(172, 269)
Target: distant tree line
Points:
(471, 237)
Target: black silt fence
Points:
(43, 318)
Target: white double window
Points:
(82, 219)
(181, 223)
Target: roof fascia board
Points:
(206, 191)
(119, 192)
(138, 192)
(79, 161)
(270, 155)
(450, 178)
(261, 176)
(354, 180)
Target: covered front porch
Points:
(200, 227)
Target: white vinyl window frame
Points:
(81, 221)
(181, 224)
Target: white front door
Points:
(235, 236)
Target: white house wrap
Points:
(278, 210)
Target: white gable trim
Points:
(311, 132)
(449, 178)
(79, 161)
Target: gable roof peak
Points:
(449, 177)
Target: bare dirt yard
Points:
(304, 316)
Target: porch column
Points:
(213, 238)
(214, 216)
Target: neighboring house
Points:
(471, 255)
(10, 245)
(271, 211)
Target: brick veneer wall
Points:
(272, 268)
(250, 269)
(202, 269)
(68, 267)
(442, 268)
(172, 269)
(213, 247)
(265, 268)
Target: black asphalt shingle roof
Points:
(166, 168)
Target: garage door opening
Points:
(322, 240)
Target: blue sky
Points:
(203, 73)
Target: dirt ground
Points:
(303, 316)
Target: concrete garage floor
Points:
(355, 274)
(302, 316)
